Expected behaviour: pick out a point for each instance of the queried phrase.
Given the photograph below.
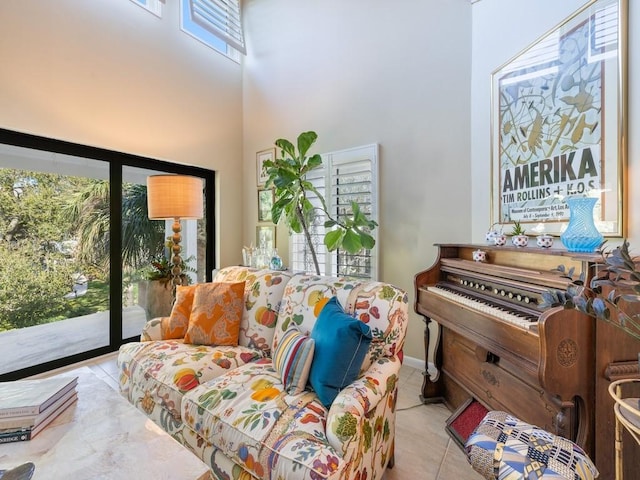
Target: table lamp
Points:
(177, 197)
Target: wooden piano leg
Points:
(431, 387)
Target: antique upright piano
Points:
(491, 340)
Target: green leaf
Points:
(333, 239)
(286, 146)
(330, 223)
(305, 140)
(278, 208)
(367, 240)
(294, 223)
(284, 178)
(351, 242)
(314, 162)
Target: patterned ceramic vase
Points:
(500, 239)
(490, 236)
(520, 240)
(544, 241)
(581, 234)
(479, 255)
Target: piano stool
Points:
(504, 447)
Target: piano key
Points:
(522, 320)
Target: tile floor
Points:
(423, 448)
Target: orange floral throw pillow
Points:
(175, 326)
(216, 314)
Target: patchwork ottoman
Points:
(503, 447)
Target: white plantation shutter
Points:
(154, 6)
(301, 259)
(345, 176)
(220, 18)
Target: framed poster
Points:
(265, 202)
(261, 157)
(558, 123)
(266, 237)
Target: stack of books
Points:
(27, 406)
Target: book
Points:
(15, 437)
(21, 434)
(30, 397)
(24, 421)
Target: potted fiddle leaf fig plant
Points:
(293, 192)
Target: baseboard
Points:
(413, 362)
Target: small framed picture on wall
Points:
(261, 157)
(265, 202)
(266, 237)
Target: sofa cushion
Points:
(292, 360)
(341, 344)
(249, 416)
(175, 325)
(216, 314)
(263, 294)
(380, 305)
(160, 372)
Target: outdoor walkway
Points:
(25, 347)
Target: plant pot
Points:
(520, 240)
(156, 297)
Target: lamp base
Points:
(176, 270)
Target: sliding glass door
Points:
(79, 253)
(54, 273)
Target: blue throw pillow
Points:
(341, 343)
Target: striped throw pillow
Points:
(292, 360)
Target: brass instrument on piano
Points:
(497, 344)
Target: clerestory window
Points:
(154, 6)
(216, 23)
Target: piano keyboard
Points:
(521, 319)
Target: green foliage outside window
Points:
(39, 214)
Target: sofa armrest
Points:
(152, 330)
(353, 405)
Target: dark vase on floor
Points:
(581, 234)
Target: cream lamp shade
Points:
(174, 196)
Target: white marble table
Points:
(102, 436)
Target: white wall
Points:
(370, 71)
(107, 73)
(501, 29)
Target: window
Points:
(80, 253)
(345, 176)
(154, 6)
(215, 23)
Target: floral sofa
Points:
(229, 405)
